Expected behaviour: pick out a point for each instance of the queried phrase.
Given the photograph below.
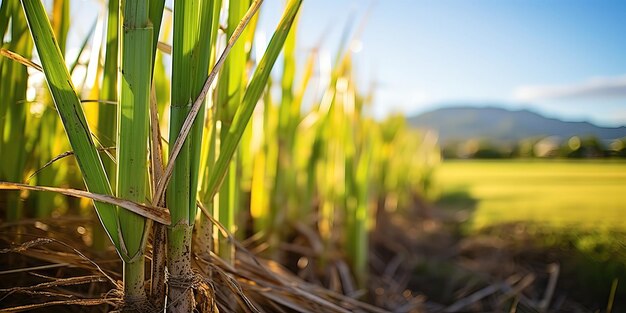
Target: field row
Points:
(554, 193)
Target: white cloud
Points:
(602, 87)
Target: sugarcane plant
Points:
(323, 165)
(195, 26)
(125, 229)
(153, 149)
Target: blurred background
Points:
(494, 132)
(528, 99)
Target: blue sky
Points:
(563, 58)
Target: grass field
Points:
(574, 209)
(587, 195)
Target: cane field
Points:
(552, 193)
(210, 156)
(572, 210)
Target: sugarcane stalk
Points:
(136, 37)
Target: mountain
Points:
(459, 123)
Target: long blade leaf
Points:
(68, 105)
(251, 96)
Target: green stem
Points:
(132, 142)
(226, 213)
(134, 278)
(180, 296)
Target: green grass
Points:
(586, 195)
(573, 208)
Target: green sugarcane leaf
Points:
(68, 105)
(252, 95)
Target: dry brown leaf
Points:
(160, 215)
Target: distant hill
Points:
(458, 123)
